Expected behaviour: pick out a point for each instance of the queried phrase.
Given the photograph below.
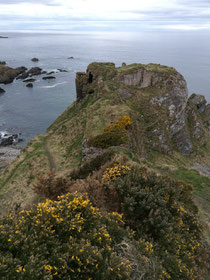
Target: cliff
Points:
(134, 143)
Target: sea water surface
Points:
(31, 110)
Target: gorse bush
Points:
(120, 125)
(64, 239)
(162, 211)
(115, 171)
(71, 239)
(113, 135)
(109, 139)
(147, 229)
(89, 166)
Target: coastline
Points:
(8, 154)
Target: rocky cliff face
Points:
(160, 97)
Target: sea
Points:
(30, 111)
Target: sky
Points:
(104, 15)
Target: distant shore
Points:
(3, 37)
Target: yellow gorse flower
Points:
(116, 171)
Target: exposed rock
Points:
(7, 138)
(202, 168)
(7, 141)
(3, 63)
(159, 140)
(29, 80)
(50, 73)
(35, 59)
(101, 71)
(35, 71)
(62, 70)
(199, 101)
(195, 109)
(81, 84)
(8, 74)
(2, 90)
(183, 143)
(168, 118)
(123, 64)
(20, 70)
(49, 78)
(89, 153)
(23, 76)
(30, 85)
(140, 78)
(31, 72)
(95, 71)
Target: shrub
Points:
(64, 239)
(115, 171)
(162, 210)
(113, 135)
(94, 164)
(121, 124)
(109, 139)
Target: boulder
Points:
(21, 70)
(50, 73)
(8, 74)
(30, 85)
(34, 71)
(23, 76)
(2, 90)
(7, 141)
(62, 70)
(35, 59)
(29, 80)
(49, 78)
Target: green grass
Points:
(201, 184)
(129, 69)
(126, 152)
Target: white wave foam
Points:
(54, 85)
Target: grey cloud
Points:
(45, 2)
(194, 3)
(187, 12)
